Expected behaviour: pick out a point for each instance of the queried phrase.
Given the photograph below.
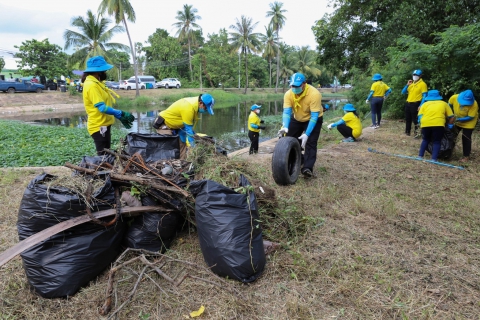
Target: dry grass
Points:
(373, 236)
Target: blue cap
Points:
(327, 106)
(209, 102)
(433, 95)
(417, 72)
(97, 64)
(377, 76)
(255, 107)
(466, 98)
(297, 79)
(349, 107)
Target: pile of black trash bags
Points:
(227, 223)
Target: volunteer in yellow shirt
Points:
(350, 125)
(302, 119)
(98, 101)
(417, 91)
(432, 117)
(254, 126)
(465, 109)
(180, 118)
(378, 93)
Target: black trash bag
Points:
(447, 145)
(153, 147)
(224, 221)
(92, 162)
(67, 261)
(153, 231)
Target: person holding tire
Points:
(98, 101)
(432, 118)
(180, 118)
(254, 126)
(350, 126)
(378, 93)
(417, 91)
(302, 118)
(465, 109)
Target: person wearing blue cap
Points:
(350, 126)
(302, 118)
(378, 93)
(98, 101)
(432, 117)
(465, 109)
(417, 91)
(180, 118)
(255, 124)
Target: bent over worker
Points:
(180, 118)
(302, 118)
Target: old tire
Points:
(39, 90)
(11, 90)
(286, 161)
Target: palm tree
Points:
(245, 39)
(92, 39)
(186, 25)
(287, 63)
(122, 10)
(305, 62)
(269, 48)
(277, 22)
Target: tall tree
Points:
(245, 39)
(2, 63)
(270, 49)
(305, 62)
(163, 53)
(92, 39)
(122, 10)
(277, 21)
(287, 64)
(185, 27)
(41, 58)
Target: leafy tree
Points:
(122, 10)
(305, 62)
(121, 61)
(185, 26)
(92, 39)
(277, 21)
(245, 39)
(2, 63)
(287, 63)
(270, 49)
(258, 71)
(41, 58)
(163, 55)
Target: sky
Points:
(39, 19)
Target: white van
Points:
(145, 80)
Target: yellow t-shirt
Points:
(352, 121)
(379, 88)
(181, 112)
(310, 100)
(434, 113)
(253, 118)
(464, 111)
(94, 92)
(416, 91)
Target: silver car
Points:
(169, 83)
(130, 84)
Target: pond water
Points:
(227, 124)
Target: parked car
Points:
(169, 83)
(149, 81)
(112, 85)
(24, 85)
(130, 84)
(347, 86)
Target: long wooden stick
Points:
(29, 242)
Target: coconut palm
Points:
(305, 62)
(122, 11)
(287, 63)
(92, 39)
(185, 27)
(277, 21)
(245, 39)
(269, 48)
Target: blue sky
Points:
(34, 19)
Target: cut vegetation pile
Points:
(372, 236)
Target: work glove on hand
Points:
(261, 127)
(304, 139)
(367, 101)
(127, 119)
(330, 126)
(282, 132)
(128, 116)
(261, 121)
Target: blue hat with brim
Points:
(417, 72)
(349, 107)
(466, 98)
(97, 64)
(433, 95)
(209, 102)
(377, 76)
(255, 107)
(297, 79)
